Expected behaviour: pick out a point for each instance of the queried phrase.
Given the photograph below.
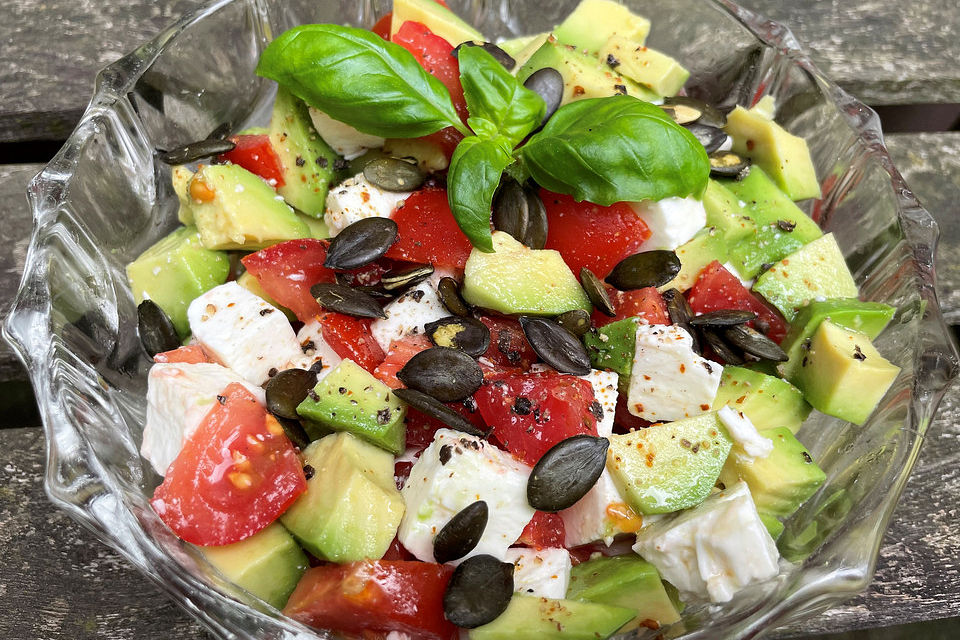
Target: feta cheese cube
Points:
(355, 199)
(408, 314)
(714, 549)
(668, 380)
(453, 472)
(599, 515)
(744, 434)
(315, 349)
(243, 332)
(543, 573)
(672, 221)
(341, 137)
(179, 396)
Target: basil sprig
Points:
(473, 178)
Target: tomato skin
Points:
(382, 27)
(591, 236)
(509, 352)
(375, 595)
(544, 531)
(190, 354)
(255, 153)
(623, 420)
(287, 270)
(556, 407)
(399, 354)
(351, 338)
(234, 476)
(716, 289)
(428, 232)
(646, 303)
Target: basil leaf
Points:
(357, 77)
(616, 149)
(495, 99)
(475, 170)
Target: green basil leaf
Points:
(495, 96)
(616, 149)
(357, 77)
(475, 170)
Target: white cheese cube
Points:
(599, 515)
(714, 549)
(408, 314)
(315, 349)
(672, 221)
(179, 396)
(243, 332)
(668, 380)
(744, 434)
(542, 573)
(355, 199)
(453, 472)
(341, 137)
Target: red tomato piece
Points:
(190, 354)
(716, 289)
(421, 428)
(375, 595)
(350, 338)
(235, 475)
(428, 232)
(531, 412)
(646, 303)
(397, 551)
(544, 531)
(382, 27)
(255, 153)
(623, 420)
(401, 473)
(591, 236)
(287, 270)
(509, 349)
(398, 354)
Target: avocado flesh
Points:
(774, 527)
(842, 374)
(768, 401)
(725, 214)
(268, 564)
(174, 271)
(591, 24)
(647, 67)
(612, 347)
(439, 19)
(251, 284)
(351, 509)
(532, 618)
(695, 255)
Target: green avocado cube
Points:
(612, 347)
(624, 581)
(647, 67)
(436, 17)
(532, 618)
(592, 22)
(768, 401)
(350, 399)
(671, 466)
(774, 526)
(705, 247)
(726, 214)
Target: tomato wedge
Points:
(255, 153)
(235, 475)
(382, 27)
(351, 338)
(544, 531)
(287, 270)
(421, 428)
(428, 232)
(190, 354)
(398, 354)
(509, 352)
(716, 289)
(645, 303)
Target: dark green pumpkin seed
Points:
(461, 534)
(478, 592)
(677, 306)
(436, 409)
(755, 343)
(396, 280)
(467, 334)
(157, 333)
(343, 299)
(556, 346)
(286, 390)
(448, 289)
(195, 151)
(548, 84)
(681, 113)
(535, 236)
(596, 292)
(576, 321)
(566, 472)
(720, 347)
(511, 209)
(361, 243)
(727, 164)
(706, 114)
(647, 269)
(499, 54)
(712, 138)
(221, 131)
(294, 432)
(446, 374)
(723, 318)
(393, 174)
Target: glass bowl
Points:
(104, 198)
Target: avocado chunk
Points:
(531, 618)
(593, 22)
(702, 249)
(351, 509)
(868, 318)
(436, 17)
(768, 401)
(584, 75)
(515, 279)
(784, 156)
(774, 527)
(350, 399)
(612, 347)
(251, 284)
(268, 564)
(317, 228)
(307, 160)
(726, 214)
(816, 270)
(523, 47)
(647, 67)
(624, 581)
(180, 178)
(176, 270)
(842, 374)
(671, 466)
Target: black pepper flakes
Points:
(418, 295)
(597, 410)
(323, 162)
(266, 312)
(383, 416)
(340, 164)
(612, 61)
(806, 457)
(273, 371)
(858, 354)
(300, 161)
(786, 225)
(308, 471)
(342, 390)
(621, 89)
(313, 395)
(222, 399)
(446, 452)
(522, 406)
(308, 346)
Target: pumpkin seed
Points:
(681, 113)
(467, 334)
(393, 174)
(343, 299)
(446, 374)
(755, 343)
(677, 306)
(596, 292)
(646, 269)
(712, 138)
(157, 333)
(535, 236)
(499, 54)
(461, 534)
(361, 243)
(720, 347)
(576, 321)
(478, 592)
(548, 84)
(727, 164)
(221, 131)
(511, 209)
(556, 346)
(566, 472)
(723, 318)
(286, 390)
(294, 432)
(373, 291)
(705, 114)
(395, 280)
(448, 289)
(436, 409)
(195, 151)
